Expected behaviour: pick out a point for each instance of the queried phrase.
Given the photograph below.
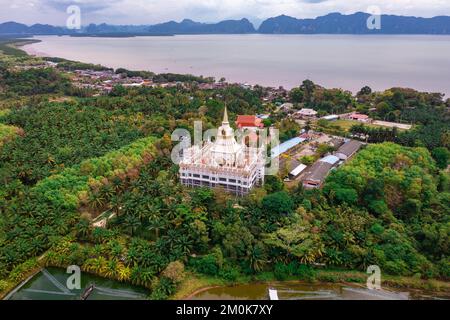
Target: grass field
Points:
(344, 125)
(347, 124)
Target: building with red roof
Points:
(359, 117)
(247, 122)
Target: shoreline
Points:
(29, 50)
(193, 294)
(385, 288)
(195, 284)
(9, 294)
(11, 290)
(285, 78)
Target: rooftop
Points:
(349, 148)
(330, 159)
(308, 112)
(331, 117)
(359, 116)
(299, 169)
(285, 146)
(318, 171)
(286, 106)
(249, 121)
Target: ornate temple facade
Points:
(224, 163)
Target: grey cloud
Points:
(313, 1)
(154, 11)
(86, 6)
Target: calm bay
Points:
(343, 61)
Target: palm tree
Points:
(155, 224)
(99, 266)
(131, 224)
(117, 184)
(146, 276)
(131, 257)
(61, 226)
(97, 200)
(116, 249)
(83, 228)
(147, 258)
(184, 244)
(135, 275)
(257, 257)
(107, 191)
(89, 265)
(111, 269)
(123, 273)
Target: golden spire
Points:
(225, 116)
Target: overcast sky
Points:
(155, 11)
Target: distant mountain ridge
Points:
(336, 23)
(333, 23)
(188, 26)
(37, 29)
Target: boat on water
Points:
(88, 291)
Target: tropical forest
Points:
(71, 157)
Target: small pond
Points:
(309, 291)
(50, 284)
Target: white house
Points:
(305, 113)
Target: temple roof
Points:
(225, 142)
(249, 121)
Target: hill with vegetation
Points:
(356, 23)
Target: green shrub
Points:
(396, 267)
(377, 229)
(162, 289)
(207, 264)
(300, 271)
(229, 273)
(3, 285)
(277, 204)
(264, 276)
(444, 268)
(307, 160)
(354, 279)
(281, 271)
(328, 278)
(100, 235)
(305, 272)
(20, 272)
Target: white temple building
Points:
(224, 163)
